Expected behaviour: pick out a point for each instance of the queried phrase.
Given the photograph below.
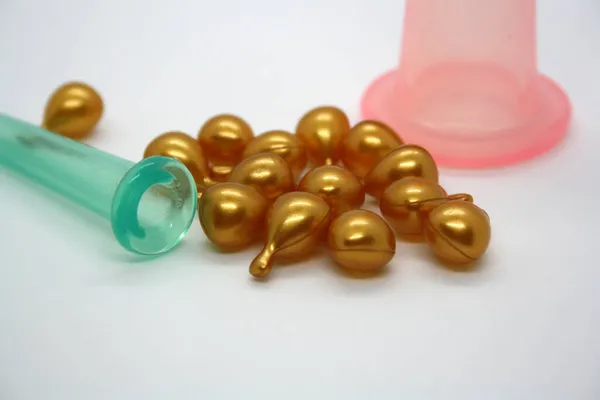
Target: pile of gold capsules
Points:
(251, 189)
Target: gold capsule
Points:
(186, 149)
(361, 242)
(231, 215)
(322, 130)
(401, 205)
(221, 173)
(282, 143)
(367, 143)
(224, 138)
(73, 110)
(265, 172)
(405, 161)
(336, 185)
(458, 232)
(297, 223)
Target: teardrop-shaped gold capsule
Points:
(361, 242)
(224, 138)
(297, 223)
(231, 215)
(458, 232)
(73, 110)
(401, 201)
(322, 130)
(407, 160)
(186, 149)
(336, 185)
(367, 143)
(282, 143)
(265, 172)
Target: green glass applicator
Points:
(150, 205)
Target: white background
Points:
(79, 319)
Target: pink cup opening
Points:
(467, 87)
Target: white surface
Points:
(80, 320)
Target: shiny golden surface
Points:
(407, 160)
(265, 172)
(186, 149)
(458, 232)
(224, 138)
(401, 205)
(232, 215)
(73, 110)
(361, 242)
(322, 130)
(297, 223)
(367, 143)
(221, 173)
(282, 143)
(336, 185)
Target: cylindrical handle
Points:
(81, 173)
(150, 204)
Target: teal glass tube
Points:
(150, 205)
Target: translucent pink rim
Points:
(494, 149)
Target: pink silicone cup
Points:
(467, 87)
